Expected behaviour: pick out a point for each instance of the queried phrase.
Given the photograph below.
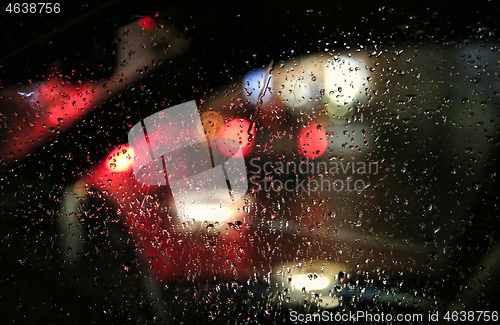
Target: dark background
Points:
(35, 287)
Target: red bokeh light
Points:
(237, 130)
(312, 141)
(147, 23)
(63, 102)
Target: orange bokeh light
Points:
(120, 159)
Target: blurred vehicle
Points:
(312, 226)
